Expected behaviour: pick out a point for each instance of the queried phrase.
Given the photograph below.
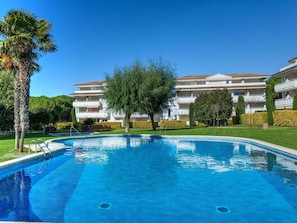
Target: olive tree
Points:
(146, 89)
(122, 93)
(156, 88)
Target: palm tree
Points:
(25, 37)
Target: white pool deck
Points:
(55, 146)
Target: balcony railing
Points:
(89, 91)
(251, 98)
(99, 115)
(134, 115)
(185, 100)
(248, 99)
(286, 86)
(283, 103)
(183, 112)
(84, 104)
(202, 87)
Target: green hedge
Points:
(142, 124)
(112, 125)
(280, 117)
(257, 118)
(285, 117)
(63, 125)
(172, 124)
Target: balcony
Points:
(183, 112)
(286, 86)
(83, 91)
(134, 115)
(283, 103)
(95, 115)
(204, 87)
(185, 100)
(86, 104)
(251, 98)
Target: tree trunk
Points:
(152, 121)
(23, 76)
(17, 111)
(127, 123)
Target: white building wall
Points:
(287, 89)
(251, 86)
(89, 102)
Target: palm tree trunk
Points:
(24, 100)
(17, 111)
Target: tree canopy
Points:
(213, 108)
(156, 88)
(46, 110)
(122, 90)
(140, 88)
(6, 100)
(6, 88)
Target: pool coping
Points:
(292, 153)
(54, 147)
(57, 146)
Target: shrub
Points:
(257, 118)
(63, 125)
(240, 108)
(143, 124)
(285, 117)
(73, 117)
(172, 124)
(88, 121)
(295, 102)
(112, 125)
(191, 114)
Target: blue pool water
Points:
(148, 179)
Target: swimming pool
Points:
(153, 179)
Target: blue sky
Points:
(198, 37)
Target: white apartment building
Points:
(288, 86)
(251, 86)
(90, 103)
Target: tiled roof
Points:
(189, 77)
(91, 83)
(232, 75)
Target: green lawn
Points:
(7, 150)
(283, 136)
